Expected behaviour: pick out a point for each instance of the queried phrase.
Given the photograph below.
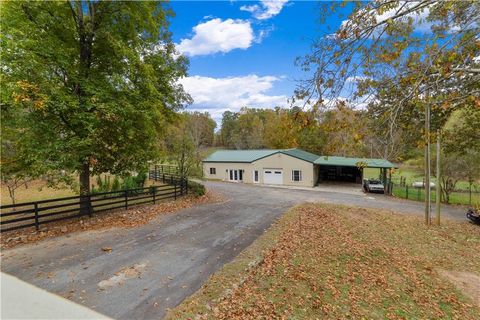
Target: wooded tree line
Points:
(341, 131)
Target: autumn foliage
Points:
(335, 262)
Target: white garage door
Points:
(273, 176)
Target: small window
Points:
(213, 171)
(296, 175)
(255, 176)
(268, 171)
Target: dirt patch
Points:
(467, 282)
(116, 219)
(121, 276)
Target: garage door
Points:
(273, 176)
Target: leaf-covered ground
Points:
(324, 261)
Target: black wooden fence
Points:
(166, 169)
(36, 213)
(166, 178)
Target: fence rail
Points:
(165, 168)
(465, 197)
(36, 213)
(166, 177)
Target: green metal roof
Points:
(239, 155)
(253, 155)
(301, 154)
(352, 162)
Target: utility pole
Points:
(427, 161)
(438, 190)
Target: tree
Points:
(345, 129)
(180, 147)
(229, 125)
(396, 57)
(200, 128)
(461, 149)
(16, 171)
(249, 132)
(96, 82)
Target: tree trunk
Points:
(85, 179)
(11, 192)
(85, 204)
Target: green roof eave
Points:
(353, 162)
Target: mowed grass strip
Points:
(325, 261)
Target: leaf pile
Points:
(342, 262)
(114, 219)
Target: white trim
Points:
(300, 176)
(235, 173)
(258, 176)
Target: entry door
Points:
(273, 176)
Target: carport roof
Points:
(253, 155)
(352, 162)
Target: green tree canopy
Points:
(94, 82)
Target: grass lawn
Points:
(413, 174)
(418, 194)
(38, 190)
(337, 262)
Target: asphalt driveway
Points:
(155, 266)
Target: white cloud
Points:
(216, 35)
(217, 95)
(368, 18)
(267, 9)
(355, 79)
(419, 17)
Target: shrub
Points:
(140, 179)
(116, 184)
(196, 188)
(129, 183)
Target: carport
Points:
(349, 170)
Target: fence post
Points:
(163, 177)
(175, 192)
(470, 195)
(418, 193)
(36, 216)
(171, 179)
(186, 186)
(406, 191)
(126, 199)
(90, 211)
(154, 190)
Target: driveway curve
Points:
(156, 266)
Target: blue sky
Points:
(242, 52)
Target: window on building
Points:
(296, 175)
(213, 171)
(255, 176)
